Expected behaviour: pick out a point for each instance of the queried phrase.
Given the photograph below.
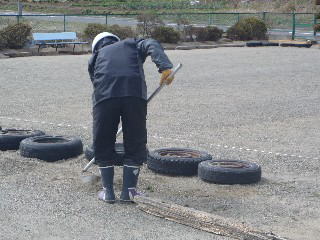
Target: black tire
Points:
(229, 172)
(88, 153)
(176, 161)
(254, 44)
(119, 149)
(10, 138)
(300, 45)
(270, 44)
(51, 148)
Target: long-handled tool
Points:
(175, 70)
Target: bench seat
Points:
(56, 40)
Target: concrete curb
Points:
(2, 56)
(233, 45)
(5, 55)
(299, 45)
(17, 54)
(13, 54)
(208, 46)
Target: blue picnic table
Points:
(56, 40)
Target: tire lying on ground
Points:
(10, 138)
(88, 153)
(254, 44)
(300, 45)
(119, 149)
(176, 161)
(270, 44)
(229, 172)
(51, 148)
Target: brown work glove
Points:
(164, 77)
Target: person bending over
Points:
(120, 92)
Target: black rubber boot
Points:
(107, 193)
(130, 179)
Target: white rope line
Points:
(235, 148)
(43, 122)
(239, 148)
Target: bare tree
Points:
(147, 22)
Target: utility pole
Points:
(19, 11)
(19, 8)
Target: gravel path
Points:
(255, 104)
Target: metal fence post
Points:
(293, 25)
(314, 23)
(106, 19)
(18, 19)
(264, 16)
(64, 22)
(238, 17)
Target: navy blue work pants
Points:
(106, 117)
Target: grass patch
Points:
(138, 6)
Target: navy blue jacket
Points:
(116, 70)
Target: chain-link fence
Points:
(284, 25)
(6, 20)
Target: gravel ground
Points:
(255, 104)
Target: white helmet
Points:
(101, 36)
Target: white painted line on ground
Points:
(43, 122)
(159, 137)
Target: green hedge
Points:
(209, 33)
(15, 36)
(93, 29)
(165, 34)
(251, 28)
(2, 42)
